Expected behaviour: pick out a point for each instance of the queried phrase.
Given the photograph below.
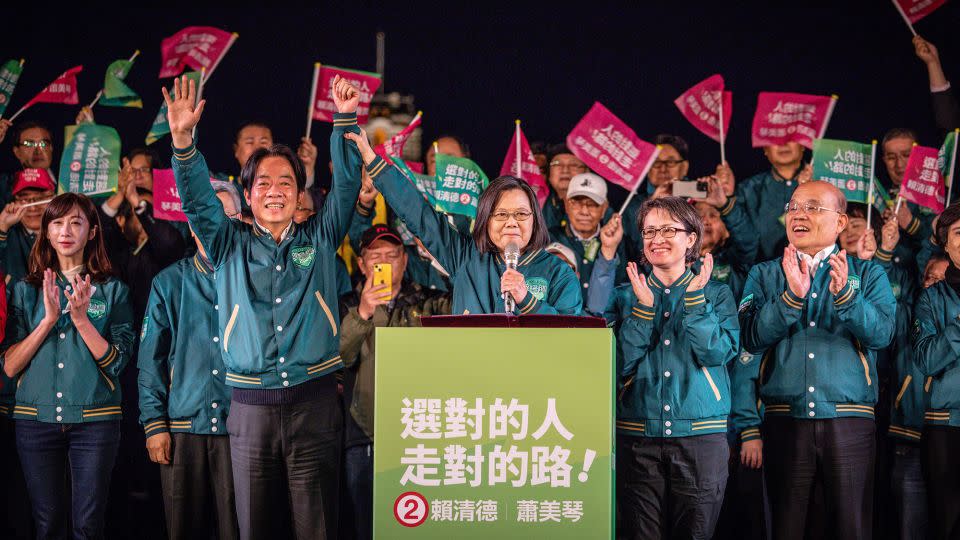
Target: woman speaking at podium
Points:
(503, 267)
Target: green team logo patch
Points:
(537, 286)
(854, 282)
(745, 303)
(746, 358)
(721, 273)
(97, 309)
(303, 256)
(896, 290)
(143, 328)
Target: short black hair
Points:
(251, 123)
(949, 216)
(29, 124)
(556, 149)
(149, 153)
(676, 142)
(858, 210)
(539, 238)
(249, 170)
(898, 133)
(679, 209)
(464, 147)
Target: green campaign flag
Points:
(473, 444)
(9, 75)
(947, 156)
(846, 165)
(91, 160)
(427, 185)
(881, 199)
(115, 92)
(160, 127)
(459, 184)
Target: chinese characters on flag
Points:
(923, 181)
(525, 167)
(701, 106)
(609, 147)
(323, 105)
(785, 117)
(197, 47)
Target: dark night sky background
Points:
(473, 69)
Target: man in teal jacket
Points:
(817, 318)
(276, 283)
(184, 400)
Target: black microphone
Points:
(511, 256)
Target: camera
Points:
(690, 189)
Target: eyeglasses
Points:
(31, 200)
(142, 170)
(519, 215)
(570, 166)
(668, 163)
(578, 203)
(807, 208)
(665, 232)
(42, 143)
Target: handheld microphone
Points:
(511, 256)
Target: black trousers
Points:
(941, 470)
(837, 454)
(671, 488)
(286, 464)
(16, 522)
(198, 488)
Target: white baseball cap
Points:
(588, 185)
(559, 249)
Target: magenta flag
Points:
(785, 117)
(611, 148)
(700, 105)
(526, 167)
(323, 106)
(62, 90)
(915, 10)
(166, 196)
(922, 181)
(199, 47)
(394, 145)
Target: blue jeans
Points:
(89, 450)
(359, 465)
(909, 492)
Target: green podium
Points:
(494, 433)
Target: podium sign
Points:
(494, 433)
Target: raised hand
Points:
(51, 297)
(890, 235)
(700, 281)
(79, 298)
(796, 272)
(663, 190)
(716, 195)
(345, 96)
(366, 151)
(183, 113)
(806, 174)
(727, 180)
(610, 237)
(371, 297)
(85, 116)
(838, 271)
(512, 282)
(11, 215)
(4, 127)
(639, 283)
(867, 245)
(368, 192)
(307, 153)
(904, 216)
(925, 51)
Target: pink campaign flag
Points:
(700, 105)
(922, 181)
(394, 145)
(323, 106)
(785, 117)
(611, 148)
(199, 47)
(62, 90)
(526, 167)
(914, 10)
(166, 196)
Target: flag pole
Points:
(203, 73)
(905, 18)
(826, 119)
(723, 150)
(133, 57)
(313, 97)
(646, 169)
(519, 163)
(873, 162)
(21, 69)
(953, 163)
(233, 37)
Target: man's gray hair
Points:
(219, 186)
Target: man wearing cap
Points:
(399, 304)
(20, 219)
(585, 205)
(815, 319)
